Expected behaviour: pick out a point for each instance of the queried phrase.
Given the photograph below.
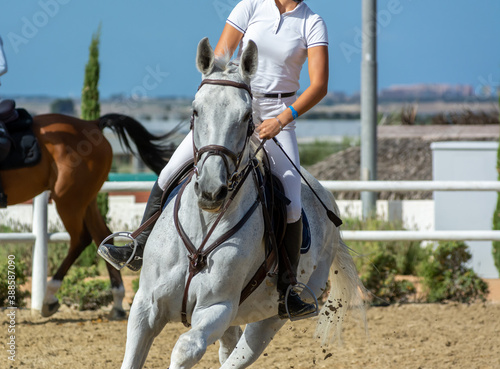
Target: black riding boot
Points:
(120, 254)
(296, 307)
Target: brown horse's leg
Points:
(99, 231)
(72, 219)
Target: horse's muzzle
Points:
(211, 201)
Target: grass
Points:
(314, 152)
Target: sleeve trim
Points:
(322, 43)
(235, 26)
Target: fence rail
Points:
(41, 237)
(358, 186)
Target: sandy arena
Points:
(425, 336)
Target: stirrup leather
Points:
(302, 287)
(119, 266)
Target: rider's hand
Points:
(269, 128)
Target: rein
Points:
(198, 256)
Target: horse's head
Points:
(221, 123)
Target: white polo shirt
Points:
(282, 41)
(3, 61)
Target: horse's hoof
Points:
(117, 314)
(50, 309)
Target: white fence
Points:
(41, 237)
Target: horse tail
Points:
(346, 292)
(150, 149)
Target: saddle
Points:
(25, 151)
(276, 202)
(21, 148)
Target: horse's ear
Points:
(249, 60)
(205, 57)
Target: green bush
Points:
(379, 278)
(135, 284)
(12, 272)
(86, 294)
(380, 262)
(407, 254)
(446, 277)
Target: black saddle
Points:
(18, 145)
(8, 112)
(25, 151)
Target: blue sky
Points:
(148, 47)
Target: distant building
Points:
(424, 92)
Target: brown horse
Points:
(75, 161)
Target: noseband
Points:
(222, 151)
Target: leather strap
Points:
(278, 95)
(176, 179)
(197, 257)
(223, 82)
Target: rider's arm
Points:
(3, 61)
(318, 75)
(228, 41)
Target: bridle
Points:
(198, 255)
(222, 151)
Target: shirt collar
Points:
(299, 5)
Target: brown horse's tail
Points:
(153, 150)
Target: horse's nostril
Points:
(221, 195)
(196, 188)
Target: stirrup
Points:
(302, 287)
(119, 266)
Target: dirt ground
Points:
(425, 336)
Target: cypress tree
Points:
(91, 109)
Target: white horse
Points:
(210, 299)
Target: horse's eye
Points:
(195, 113)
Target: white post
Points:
(40, 249)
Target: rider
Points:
(3, 61)
(5, 140)
(287, 33)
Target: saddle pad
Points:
(174, 193)
(26, 151)
(306, 234)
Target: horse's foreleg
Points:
(145, 322)
(253, 342)
(99, 231)
(208, 325)
(228, 342)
